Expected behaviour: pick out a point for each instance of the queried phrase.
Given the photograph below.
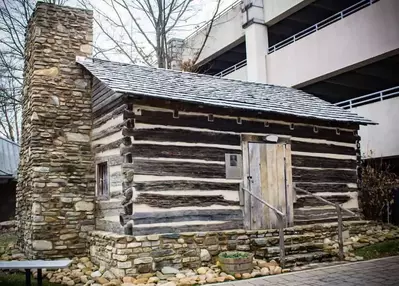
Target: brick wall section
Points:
(55, 195)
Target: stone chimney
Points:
(55, 194)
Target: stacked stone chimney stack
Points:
(55, 196)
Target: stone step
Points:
(306, 258)
(309, 227)
(289, 239)
(307, 247)
(304, 233)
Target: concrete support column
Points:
(256, 40)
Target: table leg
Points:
(27, 277)
(39, 277)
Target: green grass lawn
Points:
(382, 249)
(18, 279)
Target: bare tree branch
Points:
(136, 22)
(144, 27)
(191, 64)
(207, 33)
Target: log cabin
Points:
(110, 148)
(175, 151)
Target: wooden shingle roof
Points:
(209, 90)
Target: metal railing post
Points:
(281, 220)
(372, 97)
(231, 69)
(324, 200)
(340, 238)
(339, 214)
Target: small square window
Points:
(338, 131)
(175, 113)
(239, 120)
(210, 117)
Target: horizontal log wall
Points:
(176, 157)
(182, 152)
(158, 117)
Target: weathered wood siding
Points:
(174, 168)
(104, 100)
(106, 141)
(176, 176)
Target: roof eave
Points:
(132, 95)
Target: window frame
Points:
(102, 181)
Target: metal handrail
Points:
(372, 97)
(227, 9)
(324, 200)
(318, 26)
(281, 216)
(338, 208)
(231, 69)
(265, 203)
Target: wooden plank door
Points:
(270, 178)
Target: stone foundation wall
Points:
(55, 194)
(126, 255)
